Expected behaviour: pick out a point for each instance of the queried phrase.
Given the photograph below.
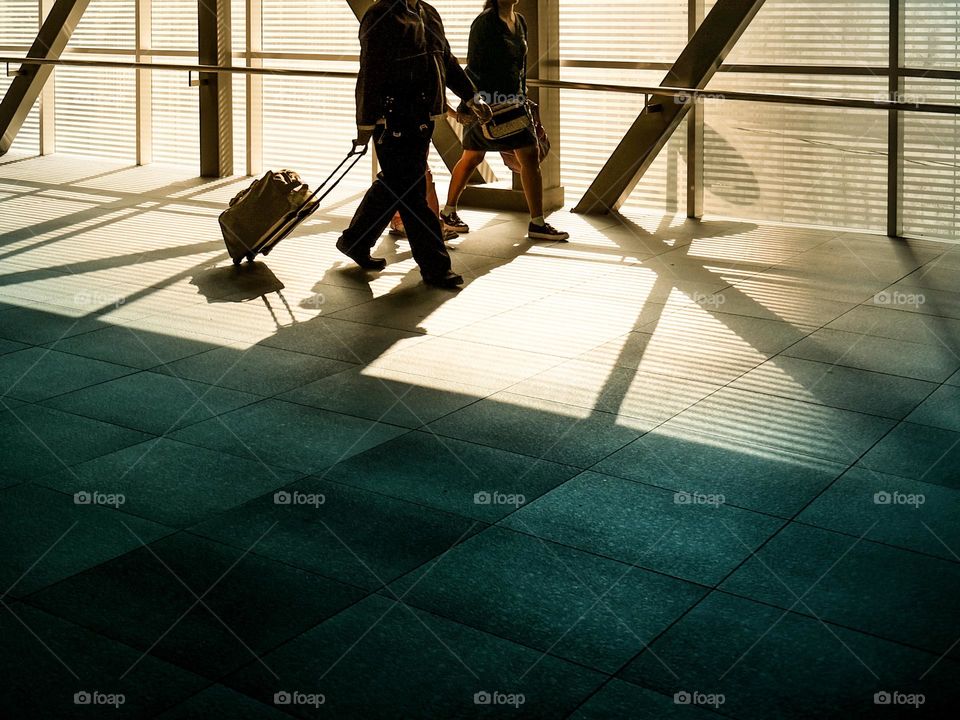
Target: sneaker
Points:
(453, 222)
(546, 232)
(398, 231)
(449, 234)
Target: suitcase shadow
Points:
(237, 283)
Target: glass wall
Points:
(19, 22)
(931, 161)
(788, 163)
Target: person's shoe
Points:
(398, 231)
(546, 232)
(453, 222)
(450, 280)
(449, 234)
(365, 261)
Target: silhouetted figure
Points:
(405, 64)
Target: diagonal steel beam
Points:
(26, 87)
(695, 67)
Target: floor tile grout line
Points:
(757, 550)
(27, 600)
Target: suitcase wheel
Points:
(237, 260)
(251, 256)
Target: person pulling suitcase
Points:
(405, 64)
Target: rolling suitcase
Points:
(273, 206)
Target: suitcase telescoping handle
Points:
(351, 159)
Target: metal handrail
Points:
(682, 94)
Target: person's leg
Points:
(539, 228)
(405, 175)
(532, 180)
(372, 215)
(462, 171)
(369, 221)
(432, 200)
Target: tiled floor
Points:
(667, 470)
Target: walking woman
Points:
(496, 63)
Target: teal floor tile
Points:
(6, 482)
(618, 699)
(9, 346)
(407, 400)
(8, 403)
(941, 409)
(539, 428)
(918, 452)
(288, 435)
(897, 324)
(37, 373)
(148, 599)
(47, 537)
(370, 661)
(51, 666)
(758, 478)
(218, 701)
(344, 533)
(152, 402)
(460, 477)
(934, 363)
(135, 347)
(35, 440)
(769, 665)
(783, 424)
(894, 510)
(172, 483)
(577, 606)
(894, 594)
(255, 369)
(690, 535)
(837, 386)
(39, 324)
(341, 340)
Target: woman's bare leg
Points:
(529, 158)
(462, 171)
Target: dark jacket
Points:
(405, 64)
(496, 58)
